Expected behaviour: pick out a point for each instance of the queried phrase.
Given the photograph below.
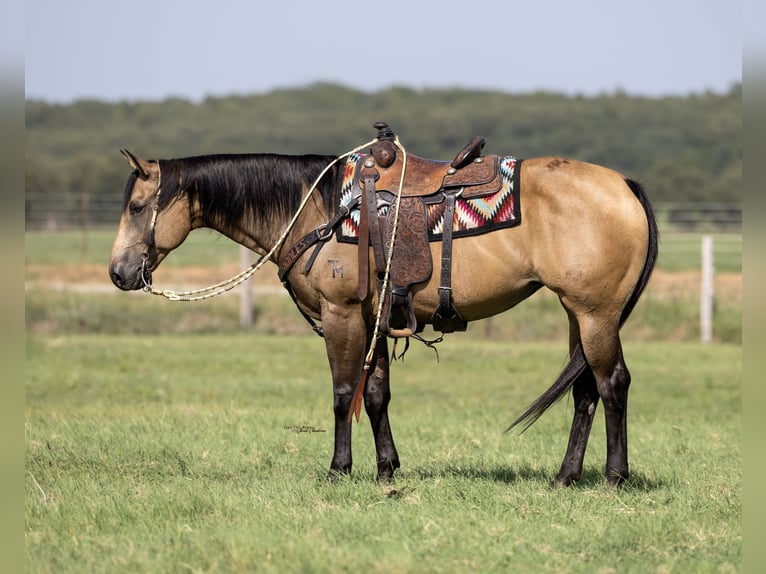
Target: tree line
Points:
(682, 148)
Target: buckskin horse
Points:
(588, 234)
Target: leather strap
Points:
(446, 318)
(287, 262)
(370, 176)
(369, 227)
(318, 235)
(363, 258)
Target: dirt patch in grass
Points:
(96, 277)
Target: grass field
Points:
(180, 454)
(161, 437)
(71, 293)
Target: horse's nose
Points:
(118, 278)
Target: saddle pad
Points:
(472, 216)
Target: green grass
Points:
(159, 453)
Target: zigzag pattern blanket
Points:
(472, 216)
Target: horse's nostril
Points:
(115, 277)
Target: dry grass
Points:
(70, 298)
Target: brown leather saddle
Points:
(469, 175)
(374, 190)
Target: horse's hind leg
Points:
(377, 395)
(603, 351)
(585, 395)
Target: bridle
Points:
(228, 284)
(148, 241)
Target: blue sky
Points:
(153, 49)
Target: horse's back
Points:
(579, 210)
(553, 185)
(583, 234)
(587, 230)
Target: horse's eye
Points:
(136, 208)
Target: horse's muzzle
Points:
(125, 277)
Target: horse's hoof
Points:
(563, 481)
(334, 475)
(616, 478)
(386, 471)
(560, 483)
(386, 479)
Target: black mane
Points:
(259, 187)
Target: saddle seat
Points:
(477, 175)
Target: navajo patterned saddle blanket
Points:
(472, 216)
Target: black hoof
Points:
(616, 478)
(335, 475)
(386, 471)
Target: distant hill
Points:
(681, 148)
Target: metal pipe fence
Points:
(66, 211)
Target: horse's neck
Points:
(256, 213)
(261, 237)
(246, 233)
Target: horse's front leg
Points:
(345, 334)
(377, 395)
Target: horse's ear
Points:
(144, 168)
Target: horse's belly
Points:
(487, 276)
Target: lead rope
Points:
(228, 284)
(356, 402)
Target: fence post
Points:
(246, 290)
(706, 290)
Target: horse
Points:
(588, 234)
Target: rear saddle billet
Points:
(426, 182)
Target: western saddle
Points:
(426, 182)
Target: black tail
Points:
(577, 362)
(651, 255)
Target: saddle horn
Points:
(384, 150)
(384, 132)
